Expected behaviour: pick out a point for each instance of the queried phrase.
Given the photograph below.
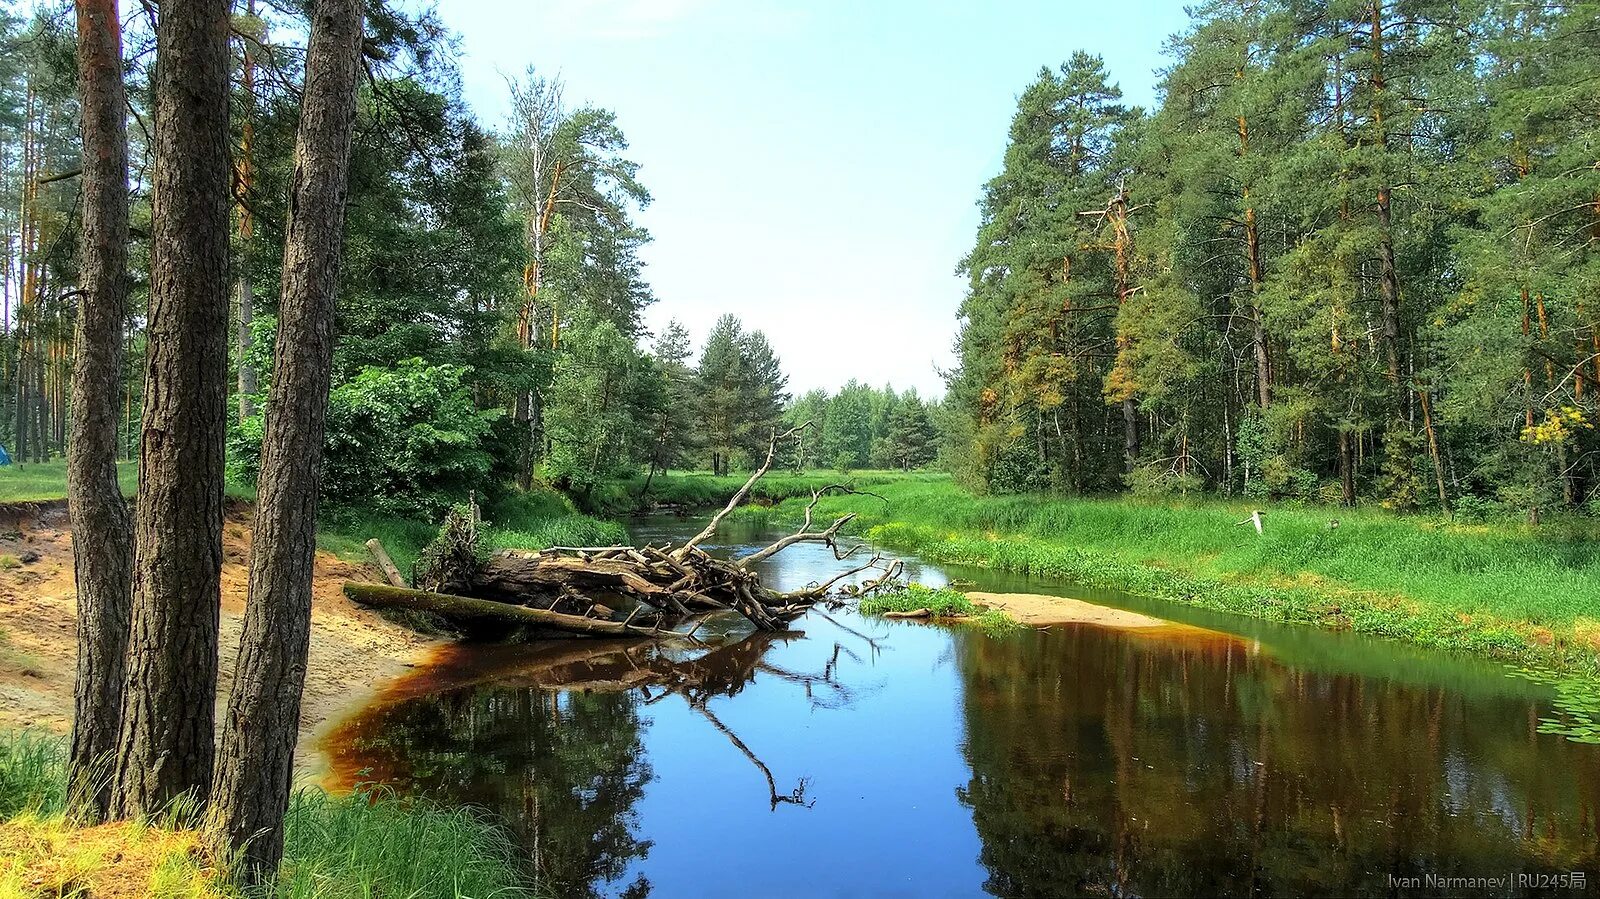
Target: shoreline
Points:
(1182, 555)
(354, 652)
(1326, 606)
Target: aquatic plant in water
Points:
(1577, 706)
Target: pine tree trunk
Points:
(519, 414)
(1130, 435)
(20, 412)
(243, 289)
(41, 448)
(255, 769)
(166, 746)
(247, 374)
(1388, 276)
(102, 549)
(1252, 250)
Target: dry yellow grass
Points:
(45, 857)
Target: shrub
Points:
(406, 440)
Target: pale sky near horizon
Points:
(815, 166)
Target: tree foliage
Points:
(1351, 255)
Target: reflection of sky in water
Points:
(945, 762)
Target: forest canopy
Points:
(1353, 254)
(490, 304)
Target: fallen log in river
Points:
(624, 591)
(468, 609)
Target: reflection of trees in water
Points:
(549, 739)
(727, 670)
(563, 770)
(1122, 765)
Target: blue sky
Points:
(815, 165)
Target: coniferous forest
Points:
(1352, 256)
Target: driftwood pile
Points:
(643, 591)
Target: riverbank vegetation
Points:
(1511, 592)
(936, 603)
(368, 843)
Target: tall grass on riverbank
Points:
(369, 843)
(376, 844)
(1511, 592)
(32, 776)
(939, 602)
(704, 490)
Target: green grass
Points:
(941, 601)
(345, 532)
(47, 482)
(32, 773)
(540, 519)
(376, 844)
(368, 843)
(1524, 595)
(703, 489)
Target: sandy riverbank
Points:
(354, 651)
(1041, 610)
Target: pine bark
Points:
(255, 769)
(102, 547)
(243, 289)
(166, 748)
(1388, 275)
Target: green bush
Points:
(407, 440)
(1017, 469)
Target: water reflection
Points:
(562, 769)
(907, 759)
(548, 737)
(1108, 764)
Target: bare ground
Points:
(1039, 609)
(354, 651)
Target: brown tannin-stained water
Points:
(873, 758)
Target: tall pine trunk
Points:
(166, 747)
(102, 548)
(255, 768)
(1388, 275)
(243, 289)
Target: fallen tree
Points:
(629, 591)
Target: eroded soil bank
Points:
(353, 650)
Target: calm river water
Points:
(872, 758)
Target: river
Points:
(876, 758)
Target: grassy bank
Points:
(47, 481)
(1528, 596)
(359, 845)
(703, 489)
(43, 482)
(939, 603)
(532, 520)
